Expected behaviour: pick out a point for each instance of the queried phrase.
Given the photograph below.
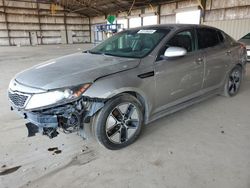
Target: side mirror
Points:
(175, 52)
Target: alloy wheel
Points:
(122, 123)
(234, 82)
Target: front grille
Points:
(18, 99)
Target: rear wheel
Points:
(119, 122)
(233, 82)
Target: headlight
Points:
(52, 97)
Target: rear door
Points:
(178, 78)
(217, 57)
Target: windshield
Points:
(131, 43)
(246, 36)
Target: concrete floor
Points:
(206, 145)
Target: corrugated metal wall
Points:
(32, 23)
(25, 22)
(235, 28)
(231, 16)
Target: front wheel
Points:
(233, 82)
(119, 122)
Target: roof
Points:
(92, 8)
(176, 26)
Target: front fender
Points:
(128, 81)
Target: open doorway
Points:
(149, 20)
(188, 17)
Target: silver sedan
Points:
(129, 80)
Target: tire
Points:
(233, 82)
(119, 123)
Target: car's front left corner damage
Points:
(66, 118)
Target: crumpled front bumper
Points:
(38, 122)
(70, 117)
(45, 124)
(42, 120)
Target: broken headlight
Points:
(56, 96)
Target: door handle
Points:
(146, 75)
(199, 61)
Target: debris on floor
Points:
(8, 170)
(55, 150)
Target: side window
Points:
(221, 36)
(207, 38)
(228, 39)
(184, 39)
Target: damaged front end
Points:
(68, 118)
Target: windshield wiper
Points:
(102, 53)
(92, 52)
(106, 53)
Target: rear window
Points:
(207, 38)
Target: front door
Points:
(178, 79)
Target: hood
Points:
(73, 70)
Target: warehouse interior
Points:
(70, 22)
(205, 145)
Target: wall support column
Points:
(6, 22)
(65, 26)
(142, 12)
(90, 33)
(39, 22)
(159, 14)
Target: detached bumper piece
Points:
(45, 124)
(68, 118)
(32, 129)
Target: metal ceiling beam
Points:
(120, 6)
(88, 5)
(96, 7)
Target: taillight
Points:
(243, 53)
(243, 46)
